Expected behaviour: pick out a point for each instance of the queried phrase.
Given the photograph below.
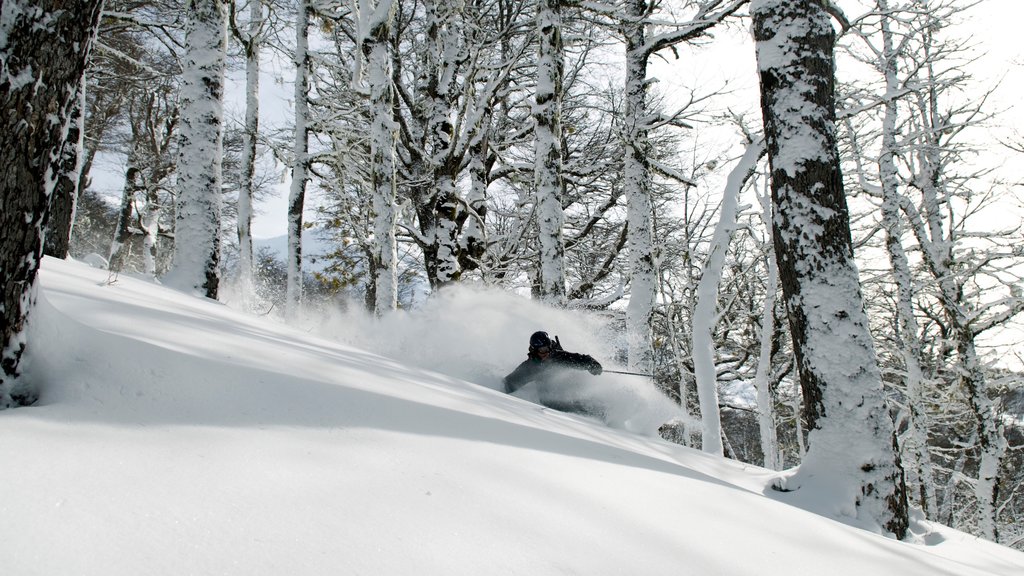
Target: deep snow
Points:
(175, 435)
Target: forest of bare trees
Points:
(835, 257)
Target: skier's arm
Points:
(519, 377)
(581, 362)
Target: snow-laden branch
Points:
(706, 18)
(143, 66)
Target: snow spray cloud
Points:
(480, 334)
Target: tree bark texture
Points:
(196, 266)
(374, 45)
(66, 190)
(547, 179)
(300, 161)
(44, 46)
(851, 433)
(637, 183)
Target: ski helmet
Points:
(539, 340)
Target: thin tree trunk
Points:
(133, 184)
(937, 251)
(300, 162)
(762, 378)
(377, 21)
(474, 232)
(704, 315)
(150, 222)
(910, 344)
(246, 191)
(637, 183)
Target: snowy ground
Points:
(178, 436)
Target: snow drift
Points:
(177, 436)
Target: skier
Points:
(545, 360)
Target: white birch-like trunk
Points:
(704, 314)
(246, 191)
(150, 220)
(772, 457)
(444, 51)
(679, 355)
(133, 183)
(196, 265)
(375, 19)
(300, 162)
(916, 444)
(474, 233)
(637, 185)
(548, 152)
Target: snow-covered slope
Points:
(177, 436)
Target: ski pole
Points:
(629, 373)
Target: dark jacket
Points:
(533, 368)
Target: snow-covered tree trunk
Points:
(300, 161)
(683, 433)
(44, 46)
(443, 51)
(547, 115)
(473, 243)
(150, 223)
(991, 441)
(637, 184)
(133, 184)
(937, 249)
(66, 189)
(246, 191)
(705, 312)
(196, 264)
(762, 383)
(916, 445)
(852, 456)
(375, 21)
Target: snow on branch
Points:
(706, 18)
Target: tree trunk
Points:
(196, 266)
(246, 191)
(852, 451)
(938, 254)
(377, 31)
(300, 162)
(762, 379)
(916, 434)
(548, 152)
(704, 315)
(43, 43)
(473, 243)
(637, 184)
(133, 184)
(443, 50)
(69, 176)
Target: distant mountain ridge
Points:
(314, 246)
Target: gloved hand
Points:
(596, 369)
